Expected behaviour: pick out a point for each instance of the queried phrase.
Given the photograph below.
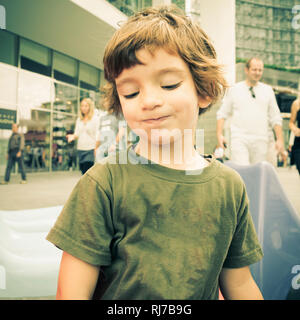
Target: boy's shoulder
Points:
(229, 173)
(105, 167)
(230, 179)
(100, 169)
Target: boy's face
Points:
(159, 94)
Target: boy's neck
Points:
(169, 155)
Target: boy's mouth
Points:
(156, 120)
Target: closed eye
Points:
(132, 95)
(172, 87)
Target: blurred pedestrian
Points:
(15, 154)
(294, 125)
(86, 131)
(253, 108)
(111, 134)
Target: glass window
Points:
(89, 76)
(64, 155)
(4, 136)
(66, 98)
(98, 101)
(8, 52)
(64, 77)
(36, 67)
(35, 52)
(87, 86)
(65, 68)
(8, 86)
(36, 131)
(35, 91)
(180, 4)
(128, 7)
(35, 57)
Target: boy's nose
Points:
(151, 99)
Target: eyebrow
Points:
(159, 73)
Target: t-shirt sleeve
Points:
(245, 248)
(84, 228)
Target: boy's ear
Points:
(204, 102)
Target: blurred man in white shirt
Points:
(253, 108)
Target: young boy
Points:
(150, 228)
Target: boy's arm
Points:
(238, 284)
(77, 279)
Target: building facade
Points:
(50, 58)
(270, 29)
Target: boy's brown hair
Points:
(163, 27)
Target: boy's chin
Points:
(165, 138)
(165, 142)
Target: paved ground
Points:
(43, 190)
(51, 189)
(290, 181)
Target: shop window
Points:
(8, 86)
(87, 86)
(65, 68)
(66, 98)
(180, 4)
(36, 131)
(35, 91)
(8, 52)
(64, 77)
(128, 7)
(89, 77)
(64, 155)
(35, 57)
(34, 66)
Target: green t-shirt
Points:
(156, 232)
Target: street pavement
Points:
(290, 181)
(43, 189)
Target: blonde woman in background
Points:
(294, 125)
(86, 132)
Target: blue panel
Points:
(278, 227)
